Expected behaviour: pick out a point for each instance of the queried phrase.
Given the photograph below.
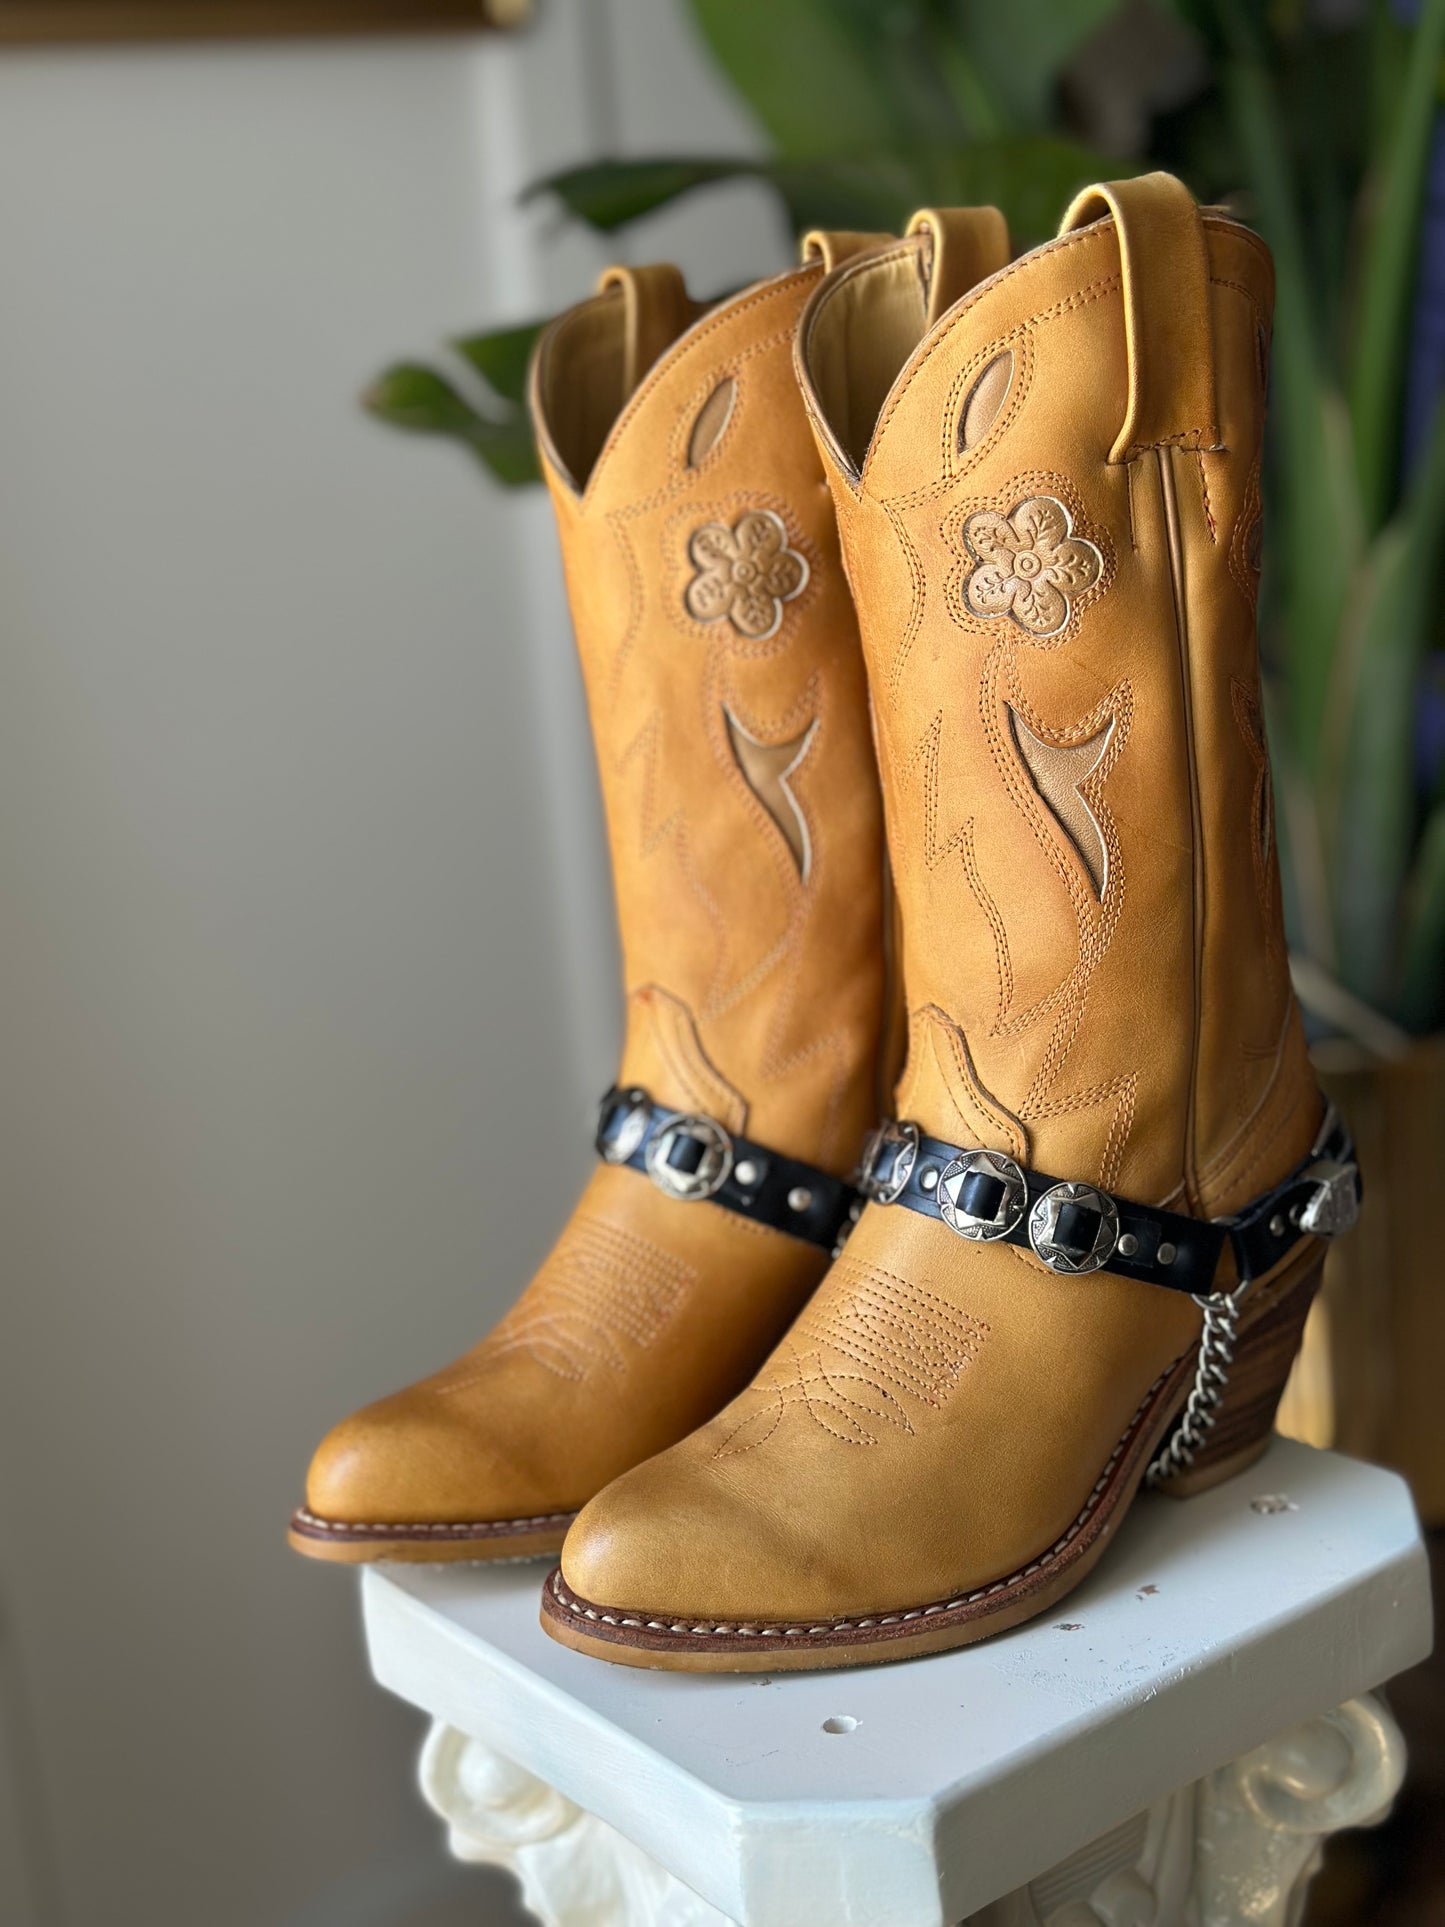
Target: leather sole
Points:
(1270, 1329)
(345, 1544)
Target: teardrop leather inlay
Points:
(712, 419)
(985, 399)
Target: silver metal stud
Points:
(746, 1174)
(1277, 1226)
(712, 1169)
(1128, 1245)
(894, 1145)
(799, 1198)
(928, 1178)
(1335, 1205)
(1044, 1233)
(1166, 1254)
(955, 1183)
(627, 1114)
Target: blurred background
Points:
(308, 934)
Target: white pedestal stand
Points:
(1168, 1749)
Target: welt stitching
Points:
(797, 1628)
(433, 1529)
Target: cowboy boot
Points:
(728, 703)
(1090, 1247)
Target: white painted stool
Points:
(1170, 1746)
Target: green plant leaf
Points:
(1387, 276)
(1031, 178)
(1370, 822)
(1053, 31)
(804, 68)
(1422, 947)
(501, 357)
(422, 402)
(607, 195)
(1323, 529)
(824, 75)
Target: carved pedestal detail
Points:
(575, 1871)
(1264, 1820)
(1237, 1849)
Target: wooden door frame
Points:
(39, 21)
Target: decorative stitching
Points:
(1250, 720)
(933, 343)
(1245, 542)
(475, 1529)
(1018, 343)
(685, 426)
(918, 582)
(694, 337)
(792, 1629)
(1216, 1173)
(602, 1295)
(897, 1340)
(1204, 496)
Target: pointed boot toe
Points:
(649, 1540)
(416, 1477)
(672, 1549)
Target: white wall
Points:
(306, 977)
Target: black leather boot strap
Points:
(690, 1156)
(1079, 1228)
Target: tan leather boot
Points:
(1049, 507)
(727, 697)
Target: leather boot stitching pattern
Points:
(862, 1352)
(604, 1295)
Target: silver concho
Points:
(636, 1107)
(902, 1139)
(987, 1164)
(1335, 1207)
(1043, 1228)
(713, 1168)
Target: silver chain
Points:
(1211, 1378)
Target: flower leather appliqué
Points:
(1028, 565)
(744, 573)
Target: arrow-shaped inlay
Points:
(766, 768)
(1059, 772)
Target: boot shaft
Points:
(726, 691)
(1051, 521)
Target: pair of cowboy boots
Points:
(811, 1409)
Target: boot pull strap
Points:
(656, 310)
(968, 245)
(834, 246)
(1164, 261)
